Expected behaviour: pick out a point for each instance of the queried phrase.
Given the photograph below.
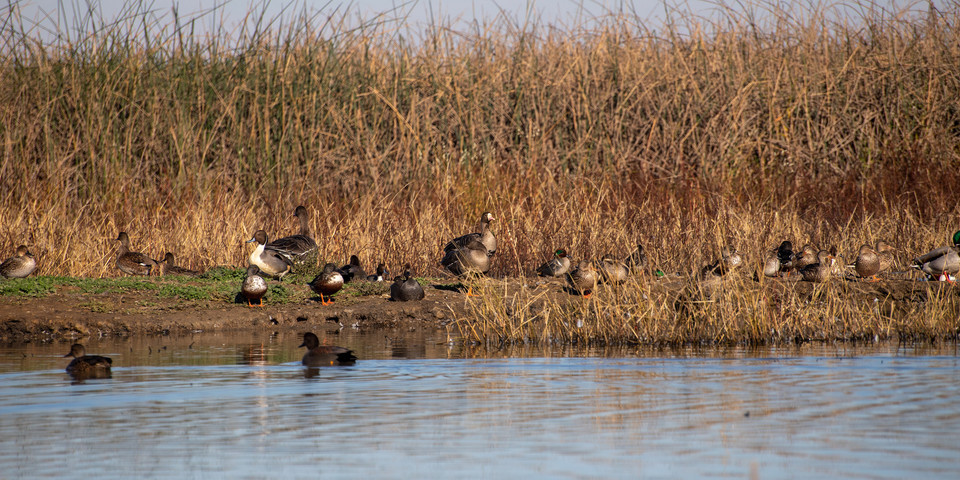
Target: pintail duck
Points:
(133, 263)
(472, 258)
(169, 267)
(887, 255)
(485, 236)
(612, 271)
(867, 263)
(324, 355)
(941, 262)
(254, 287)
(557, 267)
(405, 288)
(583, 279)
(84, 364)
(268, 259)
(821, 270)
(729, 260)
(297, 247)
(19, 265)
(328, 282)
(352, 271)
(636, 262)
(380, 275)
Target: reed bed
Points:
(591, 136)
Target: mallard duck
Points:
(352, 271)
(887, 255)
(380, 275)
(556, 267)
(636, 262)
(85, 364)
(867, 263)
(821, 270)
(941, 262)
(324, 355)
(169, 267)
(771, 263)
(472, 258)
(729, 260)
(786, 257)
(300, 246)
(583, 279)
(269, 260)
(612, 271)
(485, 236)
(806, 257)
(19, 265)
(132, 263)
(328, 282)
(254, 287)
(406, 288)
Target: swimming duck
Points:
(405, 288)
(819, 271)
(941, 262)
(558, 266)
(485, 236)
(583, 279)
(471, 258)
(169, 267)
(19, 265)
(269, 260)
(323, 355)
(867, 263)
(254, 287)
(132, 263)
(612, 271)
(329, 282)
(636, 262)
(297, 247)
(729, 260)
(86, 364)
(380, 275)
(887, 255)
(352, 271)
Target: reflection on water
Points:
(243, 406)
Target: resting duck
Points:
(786, 257)
(352, 271)
(300, 246)
(887, 255)
(558, 266)
(132, 263)
(405, 288)
(84, 364)
(324, 355)
(583, 279)
(807, 256)
(821, 270)
(169, 267)
(471, 258)
(485, 236)
(612, 271)
(729, 260)
(867, 263)
(254, 287)
(380, 275)
(636, 262)
(941, 262)
(19, 265)
(772, 264)
(268, 259)
(329, 282)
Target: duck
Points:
(636, 262)
(269, 260)
(887, 255)
(323, 355)
(469, 259)
(867, 263)
(771, 264)
(786, 257)
(254, 287)
(941, 262)
(380, 275)
(612, 271)
(821, 270)
(556, 267)
(328, 282)
(133, 263)
(352, 271)
(20, 265)
(729, 260)
(405, 288)
(806, 257)
(169, 267)
(297, 247)
(583, 279)
(84, 364)
(485, 236)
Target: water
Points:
(242, 407)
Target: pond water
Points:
(241, 406)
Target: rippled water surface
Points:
(243, 407)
